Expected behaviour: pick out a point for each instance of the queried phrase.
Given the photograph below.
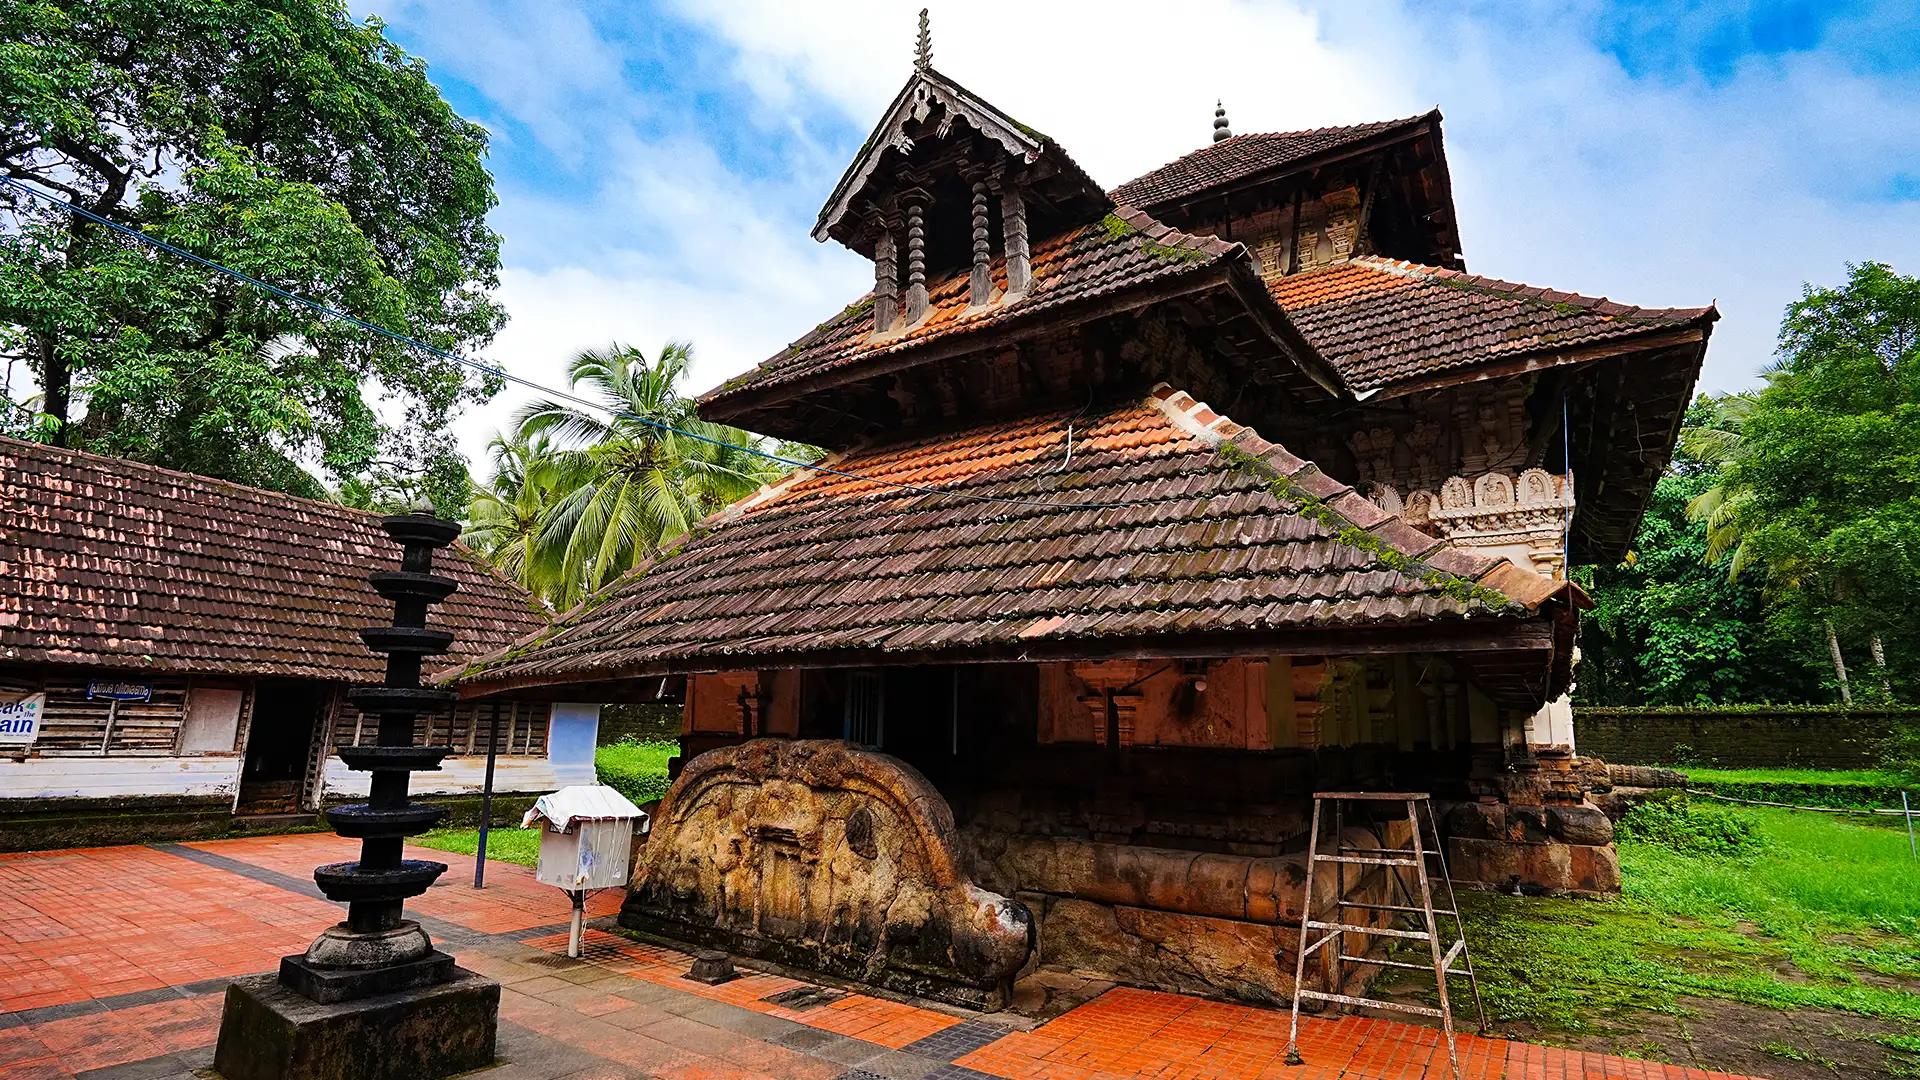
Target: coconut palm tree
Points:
(505, 517)
(633, 466)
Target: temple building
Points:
(175, 652)
(1149, 511)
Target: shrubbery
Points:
(636, 769)
(1690, 828)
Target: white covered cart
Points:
(586, 842)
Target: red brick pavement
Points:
(84, 925)
(512, 900)
(100, 922)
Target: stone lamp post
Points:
(371, 997)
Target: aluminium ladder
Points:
(1450, 959)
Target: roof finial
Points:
(923, 48)
(1220, 131)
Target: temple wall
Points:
(1152, 815)
(1276, 703)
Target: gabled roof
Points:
(111, 563)
(925, 90)
(1165, 526)
(1094, 260)
(1123, 255)
(1393, 326)
(1245, 156)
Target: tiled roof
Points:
(1383, 322)
(108, 562)
(1125, 250)
(1147, 529)
(1246, 155)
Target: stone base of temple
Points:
(271, 1032)
(1563, 849)
(1211, 923)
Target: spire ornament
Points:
(1221, 132)
(923, 46)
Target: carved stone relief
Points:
(818, 855)
(1522, 517)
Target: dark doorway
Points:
(285, 714)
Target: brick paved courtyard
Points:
(113, 962)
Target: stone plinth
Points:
(269, 1031)
(1551, 849)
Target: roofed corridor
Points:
(115, 960)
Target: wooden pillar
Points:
(916, 262)
(980, 285)
(1013, 225)
(886, 281)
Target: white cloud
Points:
(539, 61)
(737, 283)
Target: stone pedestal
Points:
(269, 1031)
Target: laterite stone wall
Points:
(1739, 737)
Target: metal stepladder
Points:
(1452, 959)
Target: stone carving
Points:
(1493, 491)
(1341, 229)
(1306, 242)
(1419, 506)
(1373, 450)
(817, 855)
(1523, 517)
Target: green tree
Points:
(628, 487)
(1670, 626)
(1824, 492)
(278, 137)
(508, 512)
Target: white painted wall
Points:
(464, 775)
(64, 777)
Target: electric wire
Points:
(501, 373)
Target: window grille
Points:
(523, 727)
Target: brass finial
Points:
(1220, 130)
(923, 47)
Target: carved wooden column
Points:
(1013, 224)
(980, 285)
(886, 280)
(916, 261)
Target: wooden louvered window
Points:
(523, 728)
(75, 724)
(866, 708)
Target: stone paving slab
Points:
(114, 962)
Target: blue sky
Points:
(659, 165)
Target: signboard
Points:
(20, 720)
(119, 691)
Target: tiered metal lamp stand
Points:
(372, 997)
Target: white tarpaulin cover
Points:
(581, 802)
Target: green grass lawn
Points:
(1873, 778)
(637, 769)
(507, 843)
(1815, 913)
(1846, 788)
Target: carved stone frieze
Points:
(1524, 516)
